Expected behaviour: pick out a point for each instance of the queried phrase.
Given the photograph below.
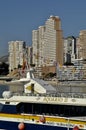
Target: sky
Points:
(19, 17)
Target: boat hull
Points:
(8, 125)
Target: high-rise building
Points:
(47, 43)
(77, 47)
(69, 49)
(41, 30)
(82, 44)
(35, 45)
(29, 55)
(17, 50)
(53, 41)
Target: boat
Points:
(49, 112)
(21, 81)
(32, 110)
(25, 84)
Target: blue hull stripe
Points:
(14, 126)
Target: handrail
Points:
(60, 94)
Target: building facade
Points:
(47, 43)
(53, 41)
(29, 57)
(70, 52)
(82, 44)
(38, 46)
(17, 51)
(35, 45)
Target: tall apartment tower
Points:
(38, 46)
(35, 46)
(82, 44)
(69, 49)
(29, 55)
(47, 43)
(53, 41)
(16, 54)
(41, 30)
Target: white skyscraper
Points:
(35, 46)
(47, 43)
(16, 54)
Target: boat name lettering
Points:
(55, 99)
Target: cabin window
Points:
(7, 102)
(51, 109)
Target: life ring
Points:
(76, 128)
